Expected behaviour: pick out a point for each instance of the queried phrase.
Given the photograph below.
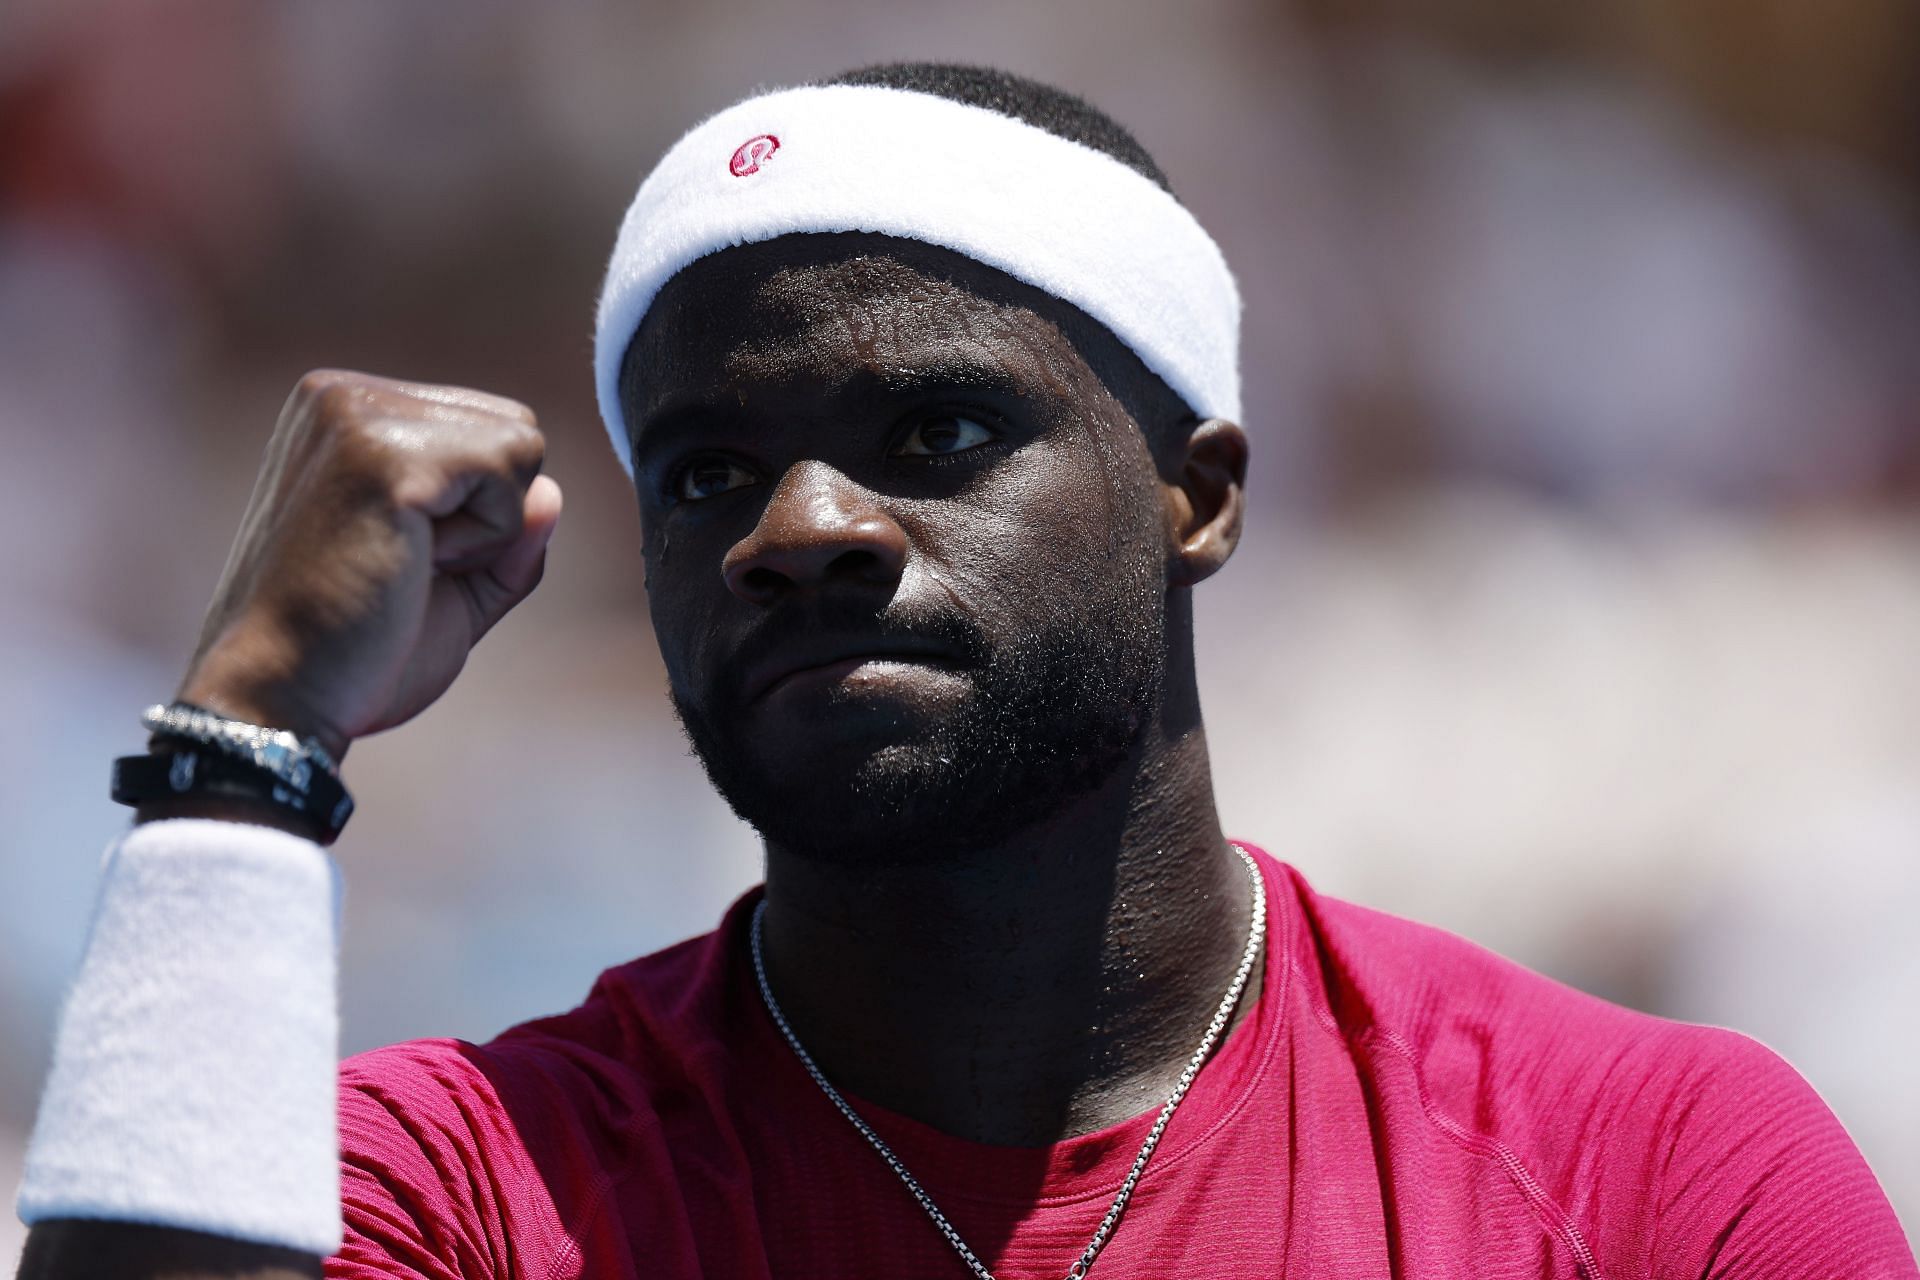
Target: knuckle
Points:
(525, 444)
(517, 411)
(337, 404)
(469, 402)
(315, 381)
(377, 430)
(324, 394)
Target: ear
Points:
(1207, 501)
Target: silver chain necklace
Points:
(1085, 1262)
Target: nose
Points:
(818, 527)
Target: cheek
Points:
(683, 592)
(1071, 534)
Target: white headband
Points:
(1058, 215)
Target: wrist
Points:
(264, 705)
(201, 764)
(208, 990)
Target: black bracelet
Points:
(191, 769)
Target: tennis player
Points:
(928, 388)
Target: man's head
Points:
(917, 534)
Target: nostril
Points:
(857, 562)
(762, 581)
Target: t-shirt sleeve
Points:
(1761, 1181)
(432, 1172)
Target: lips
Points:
(826, 654)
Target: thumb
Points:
(516, 571)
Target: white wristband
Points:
(194, 1069)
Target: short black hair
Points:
(1060, 113)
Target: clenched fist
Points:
(393, 523)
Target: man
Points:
(927, 387)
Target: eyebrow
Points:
(679, 415)
(942, 373)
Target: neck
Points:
(1039, 989)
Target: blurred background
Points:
(1580, 612)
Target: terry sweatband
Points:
(1057, 215)
(194, 1068)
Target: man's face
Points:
(906, 553)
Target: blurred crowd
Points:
(1581, 608)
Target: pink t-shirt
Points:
(1399, 1103)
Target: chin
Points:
(910, 803)
(862, 777)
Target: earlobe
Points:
(1207, 501)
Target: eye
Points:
(709, 477)
(942, 434)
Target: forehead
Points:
(824, 311)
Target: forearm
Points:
(194, 1076)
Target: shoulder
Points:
(1684, 1147)
(1519, 1051)
(1474, 1018)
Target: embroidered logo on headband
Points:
(751, 154)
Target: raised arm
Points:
(392, 525)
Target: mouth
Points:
(832, 663)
